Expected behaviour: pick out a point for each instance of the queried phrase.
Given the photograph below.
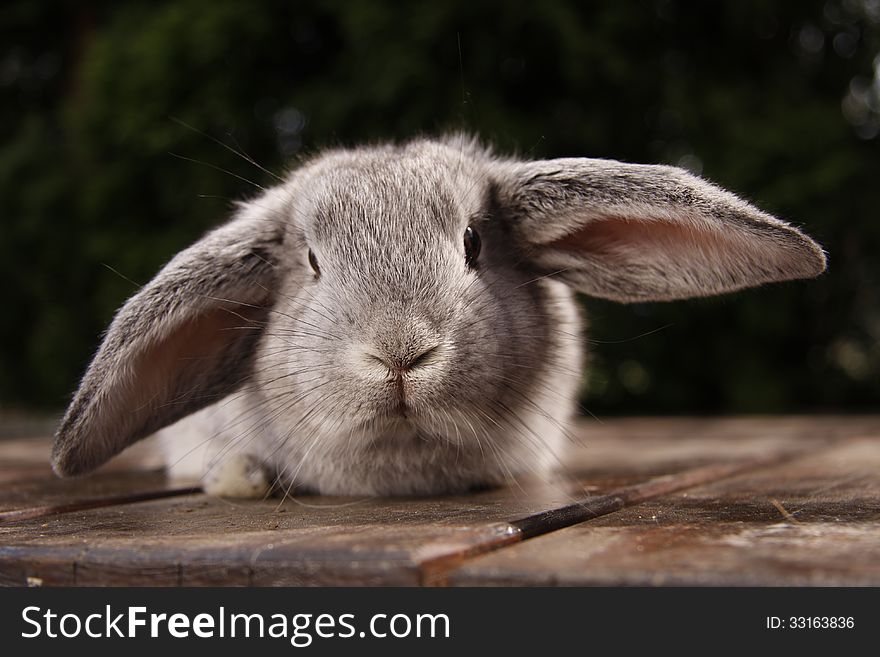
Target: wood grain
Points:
(811, 521)
(127, 525)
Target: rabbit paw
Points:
(239, 475)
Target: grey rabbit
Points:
(400, 319)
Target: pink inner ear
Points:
(669, 258)
(622, 239)
(189, 365)
(188, 355)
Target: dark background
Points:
(778, 101)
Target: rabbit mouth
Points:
(402, 410)
(385, 424)
(398, 408)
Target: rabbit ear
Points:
(183, 341)
(632, 232)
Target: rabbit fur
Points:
(338, 336)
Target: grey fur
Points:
(703, 239)
(231, 270)
(320, 387)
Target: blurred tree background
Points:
(778, 101)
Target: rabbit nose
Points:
(408, 360)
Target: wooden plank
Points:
(31, 490)
(32, 512)
(199, 540)
(193, 539)
(26, 425)
(27, 459)
(811, 521)
(179, 540)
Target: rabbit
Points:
(400, 319)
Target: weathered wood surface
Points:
(736, 501)
(811, 521)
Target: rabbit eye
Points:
(471, 246)
(313, 261)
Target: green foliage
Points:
(778, 101)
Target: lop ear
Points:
(632, 232)
(185, 340)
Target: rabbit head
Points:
(400, 319)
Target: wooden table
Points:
(648, 501)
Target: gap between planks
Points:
(434, 571)
(33, 512)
